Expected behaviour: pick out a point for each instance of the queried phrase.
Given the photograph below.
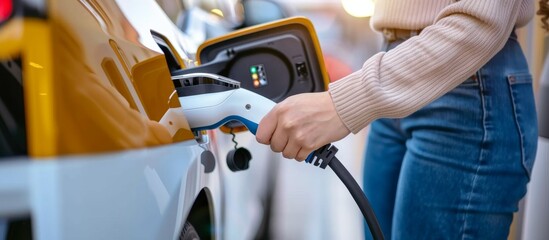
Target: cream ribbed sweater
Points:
(458, 38)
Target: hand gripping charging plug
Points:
(209, 110)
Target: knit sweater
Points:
(457, 39)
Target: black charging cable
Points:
(325, 156)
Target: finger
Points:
(303, 154)
(279, 140)
(266, 127)
(291, 150)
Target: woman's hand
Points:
(301, 124)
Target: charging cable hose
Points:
(325, 156)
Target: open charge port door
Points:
(276, 59)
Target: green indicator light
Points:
(253, 69)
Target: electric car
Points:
(92, 144)
(87, 152)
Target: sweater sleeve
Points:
(394, 84)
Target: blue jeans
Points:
(457, 168)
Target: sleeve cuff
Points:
(353, 98)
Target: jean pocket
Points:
(524, 110)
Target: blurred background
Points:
(306, 203)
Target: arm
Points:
(396, 83)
